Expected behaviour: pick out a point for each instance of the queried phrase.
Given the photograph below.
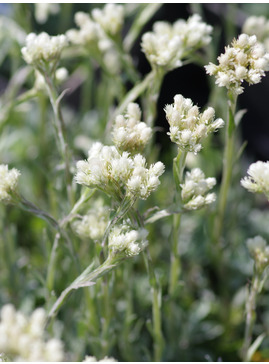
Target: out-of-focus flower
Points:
(259, 26)
(188, 127)
(169, 44)
(43, 10)
(195, 190)
(246, 60)
(259, 250)
(258, 178)
(93, 359)
(22, 338)
(8, 184)
(110, 18)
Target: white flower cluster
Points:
(43, 10)
(43, 48)
(8, 183)
(23, 339)
(246, 60)
(93, 36)
(259, 26)
(129, 133)
(93, 359)
(94, 223)
(61, 75)
(117, 174)
(259, 250)
(195, 190)
(169, 43)
(110, 18)
(258, 178)
(124, 240)
(188, 127)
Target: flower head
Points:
(169, 43)
(43, 10)
(22, 338)
(246, 60)
(195, 189)
(258, 178)
(8, 183)
(117, 173)
(259, 26)
(259, 250)
(188, 127)
(123, 240)
(110, 18)
(43, 48)
(129, 133)
(94, 223)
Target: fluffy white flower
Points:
(114, 172)
(168, 44)
(124, 240)
(8, 183)
(259, 26)
(129, 133)
(188, 127)
(94, 223)
(246, 60)
(110, 18)
(195, 189)
(258, 178)
(43, 48)
(43, 10)
(22, 338)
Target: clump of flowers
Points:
(188, 127)
(129, 133)
(259, 250)
(195, 190)
(118, 174)
(110, 18)
(258, 178)
(125, 241)
(43, 10)
(246, 60)
(8, 184)
(259, 26)
(94, 223)
(43, 49)
(169, 43)
(23, 339)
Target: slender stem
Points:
(52, 263)
(227, 169)
(61, 133)
(250, 314)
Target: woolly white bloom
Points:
(43, 48)
(89, 32)
(23, 339)
(259, 26)
(259, 250)
(93, 359)
(246, 60)
(258, 178)
(188, 127)
(110, 18)
(8, 183)
(129, 133)
(124, 240)
(94, 223)
(43, 10)
(195, 189)
(115, 173)
(168, 44)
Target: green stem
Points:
(158, 340)
(227, 169)
(250, 315)
(61, 133)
